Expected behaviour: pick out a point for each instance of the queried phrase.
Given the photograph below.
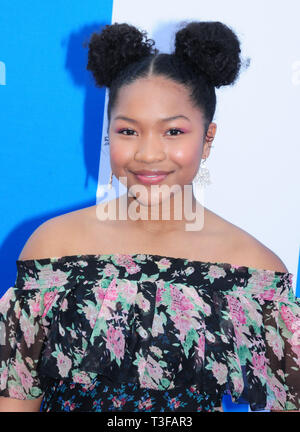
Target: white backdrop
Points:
(254, 165)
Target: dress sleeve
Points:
(266, 324)
(282, 327)
(23, 328)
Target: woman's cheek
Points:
(119, 154)
(184, 157)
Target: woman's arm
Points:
(17, 405)
(38, 245)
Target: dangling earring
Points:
(102, 190)
(109, 186)
(202, 177)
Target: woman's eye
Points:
(126, 131)
(175, 132)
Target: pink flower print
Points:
(147, 404)
(81, 378)
(64, 364)
(157, 351)
(5, 301)
(24, 375)
(148, 383)
(180, 303)
(295, 340)
(157, 325)
(122, 259)
(141, 257)
(91, 313)
(288, 317)
(280, 373)
(154, 369)
(28, 330)
(259, 363)
(49, 299)
(133, 268)
(143, 303)
(191, 293)
(279, 393)
(200, 348)
(163, 264)
(70, 405)
(127, 262)
(160, 290)
(175, 403)
(204, 306)
(261, 279)
(3, 378)
(238, 384)
(51, 278)
(128, 289)
(183, 324)
(210, 337)
(290, 279)
(268, 294)
(64, 305)
(115, 341)
(141, 365)
(236, 310)
(17, 392)
(220, 372)
(99, 293)
(34, 305)
(118, 402)
(31, 283)
(110, 270)
(275, 342)
(251, 307)
(112, 291)
(216, 272)
(82, 263)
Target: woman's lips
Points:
(153, 179)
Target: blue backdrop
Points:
(50, 115)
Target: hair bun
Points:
(211, 48)
(115, 47)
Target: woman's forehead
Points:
(155, 82)
(156, 94)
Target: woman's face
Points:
(154, 126)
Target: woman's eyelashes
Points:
(172, 131)
(175, 130)
(128, 131)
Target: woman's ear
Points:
(209, 137)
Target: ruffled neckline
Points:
(142, 256)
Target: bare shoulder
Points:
(253, 253)
(53, 237)
(45, 241)
(8, 404)
(244, 248)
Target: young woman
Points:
(144, 314)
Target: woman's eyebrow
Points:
(121, 117)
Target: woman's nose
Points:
(149, 149)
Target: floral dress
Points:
(118, 332)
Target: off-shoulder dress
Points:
(142, 332)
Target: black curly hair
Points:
(206, 55)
